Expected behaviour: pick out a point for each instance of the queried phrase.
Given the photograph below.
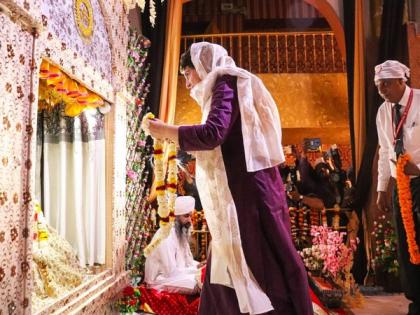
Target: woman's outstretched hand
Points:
(160, 130)
(157, 128)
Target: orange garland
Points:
(406, 206)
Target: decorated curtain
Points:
(71, 179)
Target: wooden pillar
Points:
(171, 63)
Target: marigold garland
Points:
(166, 192)
(406, 206)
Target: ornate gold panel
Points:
(310, 105)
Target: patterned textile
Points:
(57, 127)
(20, 58)
(56, 15)
(55, 268)
(164, 303)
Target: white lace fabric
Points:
(55, 269)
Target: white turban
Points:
(391, 69)
(184, 205)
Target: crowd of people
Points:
(322, 184)
(254, 266)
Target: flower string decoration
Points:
(384, 255)
(166, 191)
(139, 212)
(406, 206)
(142, 4)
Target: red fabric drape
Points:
(164, 303)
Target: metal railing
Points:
(278, 52)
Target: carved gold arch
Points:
(333, 20)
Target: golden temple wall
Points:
(310, 105)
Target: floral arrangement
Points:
(328, 253)
(166, 192)
(130, 300)
(384, 254)
(57, 88)
(139, 212)
(406, 205)
(312, 259)
(330, 256)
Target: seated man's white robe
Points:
(171, 267)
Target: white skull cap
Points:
(184, 205)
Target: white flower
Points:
(145, 123)
(152, 12)
(142, 4)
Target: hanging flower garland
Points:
(406, 205)
(140, 214)
(142, 4)
(166, 192)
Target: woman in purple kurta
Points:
(261, 209)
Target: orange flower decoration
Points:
(57, 87)
(406, 206)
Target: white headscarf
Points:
(262, 143)
(261, 129)
(391, 69)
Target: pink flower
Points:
(335, 255)
(131, 175)
(135, 55)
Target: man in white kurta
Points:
(171, 267)
(398, 125)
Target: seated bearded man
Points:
(171, 267)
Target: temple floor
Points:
(393, 304)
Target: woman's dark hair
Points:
(185, 61)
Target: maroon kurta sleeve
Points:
(223, 112)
